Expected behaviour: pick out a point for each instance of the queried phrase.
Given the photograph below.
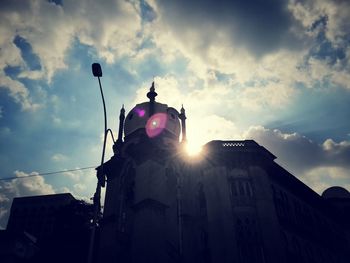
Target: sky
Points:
(274, 71)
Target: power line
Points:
(48, 173)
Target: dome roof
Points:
(335, 192)
(153, 117)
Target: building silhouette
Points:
(47, 228)
(234, 204)
(37, 214)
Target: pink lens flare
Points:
(156, 124)
(140, 112)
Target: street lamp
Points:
(97, 72)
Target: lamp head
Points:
(96, 70)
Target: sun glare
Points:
(193, 149)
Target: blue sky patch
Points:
(31, 59)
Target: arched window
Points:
(249, 189)
(233, 186)
(202, 202)
(241, 187)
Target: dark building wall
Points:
(37, 214)
(234, 205)
(242, 211)
(220, 222)
(57, 225)
(140, 222)
(312, 229)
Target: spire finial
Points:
(182, 117)
(152, 94)
(182, 110)
(119, 142)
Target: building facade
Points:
(47, 228)
(37, 214)
(233, 204)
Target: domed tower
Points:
(139, 221)
(153, 121)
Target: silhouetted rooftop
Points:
(237, 146)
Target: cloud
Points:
(211, 127)
(58, 157)
(226, 35)
(333, 12)
(112, 27)
(79, 187)
(323, 177)
(22, 186)
(75, 175)
(327, 23)
(46, 31)
(273, 94)
(220, 37)
(318, 165)
(247, 24)
(249, 41)
(18, 92)
(81, 184)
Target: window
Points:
(282, 205)
(241, 187)
(233, 188)
(249, 189)
(202, 202)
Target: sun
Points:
(193, 149)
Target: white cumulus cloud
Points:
(112, 28)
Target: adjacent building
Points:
(47, 228)
(37, 215)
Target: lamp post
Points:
(97, 72)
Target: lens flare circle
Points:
(140, 112)
(156, 124)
